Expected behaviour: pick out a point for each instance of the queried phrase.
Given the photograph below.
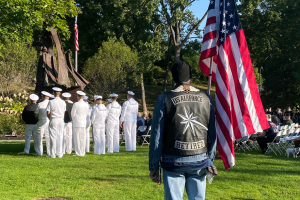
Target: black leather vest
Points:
(186, 123)
(68, 117)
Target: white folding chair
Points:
(142, 129)
(146, 137)
(273, 146)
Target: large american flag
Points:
(76, 35)
(239, 111)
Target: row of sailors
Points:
(66, 125)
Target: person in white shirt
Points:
(42, 125)
(67, 142)
(112, 131)
(79, 113)
(88, 125)
(128, 120)
(56, 111)
(98, 121)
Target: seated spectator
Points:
(140, 122)
(287, 120)
(267, 135)
(145, 116)
(297, 142)
(270, 112)
(275, 120)
(267, 110)
(289, 112)
(149, 120)
(278, 113)
(295, 119)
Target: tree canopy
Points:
(20, 18)
(112, 68)
(271, 28)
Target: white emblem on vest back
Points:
(189, 120)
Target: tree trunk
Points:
(143, 94)
(167, 64)
(177, 52)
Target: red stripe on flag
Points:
(223, 156)
(243, 48)
(208, 53)
(238, 89)
(211, 20)
(209, 36)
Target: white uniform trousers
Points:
(47, 138)
(42, 127)
(56, 128)
(113, 140)
(30, 129)
(67, 144)
(130, 135)
(99, 140)
(79, 140)
(88, 139)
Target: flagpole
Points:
(209, 77)
(76, 46)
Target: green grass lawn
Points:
(124, 175)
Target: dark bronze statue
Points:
(47, 72)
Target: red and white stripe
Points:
(209, 44)
(239, 111)
(76, 35)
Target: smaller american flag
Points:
(76, 35)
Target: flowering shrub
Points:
(10, 114)
(14, 105)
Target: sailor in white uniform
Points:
(79, 113)
(88, 124)
(31, 121)
(112, 131)
(67, 142)
(128, 120)
(42, 125)
(98, 121)
(56, 110)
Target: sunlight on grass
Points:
(124, 175)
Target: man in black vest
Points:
(183, 136)
(67, 141)
(30, 120)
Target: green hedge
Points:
(11, 123)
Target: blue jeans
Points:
(193, 181)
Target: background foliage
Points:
(112, 69)
(17, 66)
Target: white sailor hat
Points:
(66, 94)
(70, 101)
(113, 95)
(56, 89)
(131, 93)
(97, 97)
(52, 96)
(85, 97)
(34, 97)
(109, 100)
(80, 93)
(46, 93)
